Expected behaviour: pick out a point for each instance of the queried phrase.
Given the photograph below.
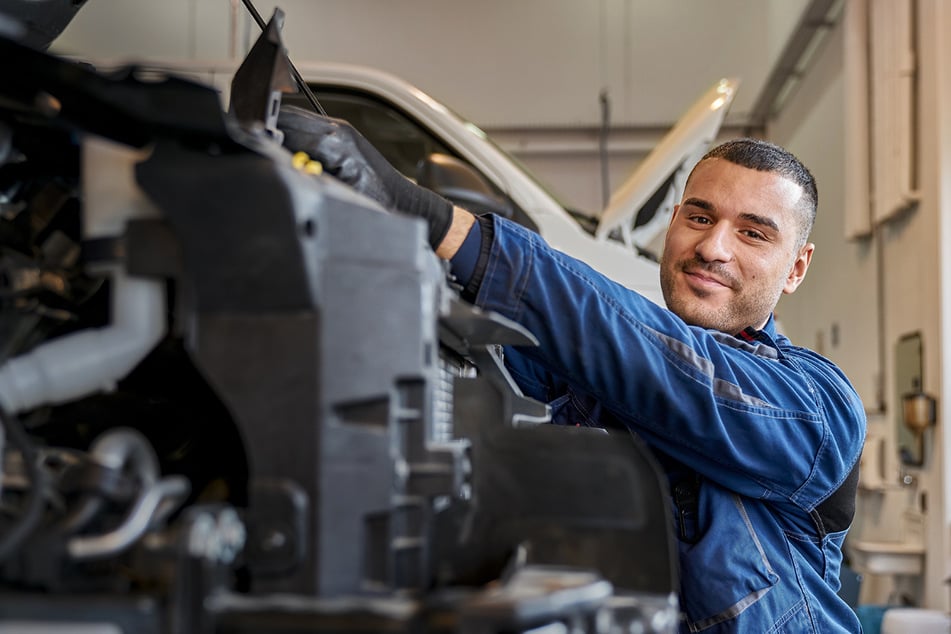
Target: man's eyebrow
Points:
(761, 220)
(699, 202)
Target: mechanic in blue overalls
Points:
(761, 439)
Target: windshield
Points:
(521, 166)
(479, 132)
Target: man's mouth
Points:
(706, 279)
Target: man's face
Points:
(732, 247)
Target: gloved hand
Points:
(347, 155)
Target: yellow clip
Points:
(301, 161)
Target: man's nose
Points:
(716, 245)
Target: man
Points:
(760, 439)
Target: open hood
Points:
(640, 208)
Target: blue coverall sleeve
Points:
(767, 421)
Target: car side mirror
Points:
(462, 184)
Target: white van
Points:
(438, 148)
(441, 150)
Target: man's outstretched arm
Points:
(462, 223)
(348, 156)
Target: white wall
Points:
(527, 71)
(935, 24)
(502, 62)
(843, 286)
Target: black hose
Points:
(87, 509)
(23, 526)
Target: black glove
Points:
(347, 155)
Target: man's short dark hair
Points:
(764, 156)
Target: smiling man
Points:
(760, 439)
(738, 239)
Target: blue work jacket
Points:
(766, 436)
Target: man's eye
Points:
(703, 220)
(756, 235)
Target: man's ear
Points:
(800, 265)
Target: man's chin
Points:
(709, 317)
(697, 307)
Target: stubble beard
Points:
(742, 310)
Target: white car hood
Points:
(686, 142)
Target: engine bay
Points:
(237, 396)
